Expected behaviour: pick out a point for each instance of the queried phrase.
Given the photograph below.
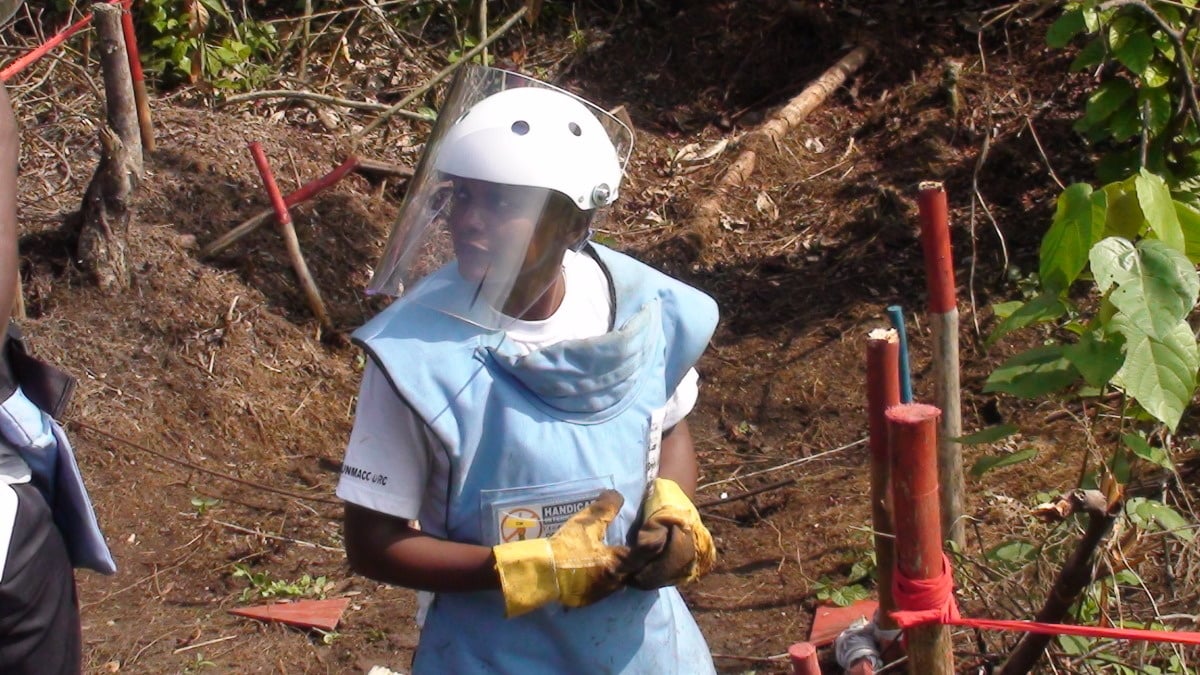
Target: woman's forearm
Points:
(677, 460)
(390, 550)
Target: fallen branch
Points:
(1075, 575)
(707, 214)
(321, 98)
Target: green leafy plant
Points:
(1143, 52)
(1138, 245)
(203, 504)
(208, 43)
(261, 585)
(852, 589)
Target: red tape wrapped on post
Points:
(923, 601)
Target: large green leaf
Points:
(1036, 372)
(1159, 371)
(1144, 511)
(985, 464)
(1142, 448)
(1107, 99)
(1044, 307)
(1189, 224)
(1159, 209)
(1156, 101)
(988, 434)
(1079, 218)
(1156, 285)
(1135, 52)
(1096, 359)
(1158, 72)
(1092, 55)
(1066, 27)
(1124, 215)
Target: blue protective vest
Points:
(44, 446)
(549, 428)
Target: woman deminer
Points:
(524, 402)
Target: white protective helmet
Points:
(500, 129)
(535, 137)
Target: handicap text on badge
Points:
(518, 522)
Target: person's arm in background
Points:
(9, 140)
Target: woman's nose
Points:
(468, 217)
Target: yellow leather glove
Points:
(673, 546)
(573, 566)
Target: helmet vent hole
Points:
(575, 130)
(520, 127)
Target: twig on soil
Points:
(802, 460)
(749, 493)
(320, 98)
(752, 659)
(441, 75)
(277, 537)
(201, 469)
(204, 644)
(1042, 151)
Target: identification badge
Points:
(654, 443)
(517, 514)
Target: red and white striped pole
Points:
(943, 322)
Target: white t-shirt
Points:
(393, 464)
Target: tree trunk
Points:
(106, 212)
(106, 215)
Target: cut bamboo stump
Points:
(706, 217)
(106, 212)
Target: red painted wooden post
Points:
(943, 323)
(883, 392)
(803, 656)
(912, 433)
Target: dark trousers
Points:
(39, 611)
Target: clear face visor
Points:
(509, 182)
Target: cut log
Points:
(706, 217)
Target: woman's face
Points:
(493, 227)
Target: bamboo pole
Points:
(943, 322)
(883, 392)
(912, 432)
(311, 293)
(139, 81)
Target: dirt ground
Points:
(210, 417)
